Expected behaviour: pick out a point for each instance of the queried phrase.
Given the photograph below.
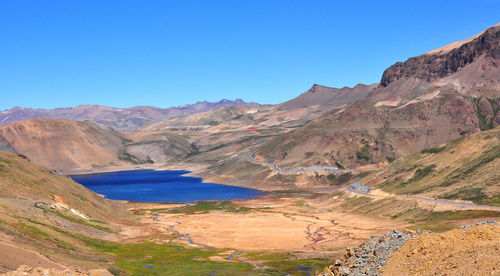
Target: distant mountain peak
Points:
(329, 97)
(125, 119)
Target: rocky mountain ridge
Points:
(435, 65)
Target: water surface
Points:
(160, 186)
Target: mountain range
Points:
(419, 150)
(123, 119)
(421, 103)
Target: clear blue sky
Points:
(165, 53)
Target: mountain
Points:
(85, 145)
(124, 119)
(421, 103)
(328, 97)
(63, 144)
(240, 117)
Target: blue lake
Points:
(160, 186)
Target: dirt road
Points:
(358, 188)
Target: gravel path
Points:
(359, 188)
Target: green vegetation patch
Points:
(442, 221)
(79, 220)
(279, 263)
(421, 173)
(6, 161)
(356, 202)
(203, 207)
(434, 150)
(167, 259)
(173, 259)
(127, 157)
(364, 153)
(339, 179)
(484, 123)
(296, 266)
(37, 234)
(475, 195)
(484, 159)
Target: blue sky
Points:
(165, 53)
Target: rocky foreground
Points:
(468, 250)
(40, 271)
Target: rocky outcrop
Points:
(429, 67)
(5, 145)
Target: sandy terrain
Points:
(280, 226)
(456, 252)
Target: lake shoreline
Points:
(160, 186)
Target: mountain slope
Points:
(63, 144)
(465, 169)
(239, 117)
(125, 119)
(72, 146)
(422, 103)
(44, 214)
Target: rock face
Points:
(5, 145)
(124, 119)
(430, 67)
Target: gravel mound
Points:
(370, 256)
(469, 250)
(466, 227)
